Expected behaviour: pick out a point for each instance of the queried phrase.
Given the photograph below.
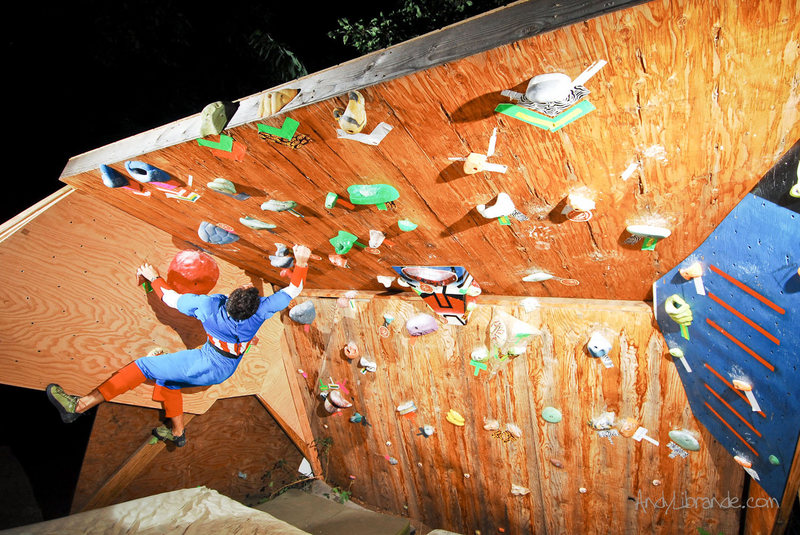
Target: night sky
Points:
(87, 73)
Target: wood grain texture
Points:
(701, 97)
(73, 314)
(430, 481)
(233, 448)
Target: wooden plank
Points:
(790, 496)
(489, 30)
(434, 371)
(128, 472)
(668, 64)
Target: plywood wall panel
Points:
(73, 313)
(701, 97)
(233, 448)
(430, 481)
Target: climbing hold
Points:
(383, 330)
(685, 439)
(344, 241)
(539, 276)
(112, 178)
(598, 345)
(367, 364)
(427, 430)
(421, 324)
(742, 461)
(582, 490)
(377, 194)
(579, 207)
(338, 260)
(144, 172)
(356, 418)
(475, 162)
(518, 490)
(677, 353)
(351, 350)
(551, 414)
(514, 430)
(192, 272)
(504, 206)
(626, 427)
(222, 185)
(656, 482)
(385, 280)
(281, 258)
(480, 354)
(692, 271)
(556, 463)
(214, 118)
(406, 225)
(331, 199)
(274, 101)
(603, 422)
(406, 407)
(491, 425)
(680, 312)
(304, 313)
(393, 461)
(214, 234)
(747, 388)
(774, 460)
(455, 418)
(376, 238)
(335, 397)
(353, 118)
(255, 224)
(281, 206)
(650, 233)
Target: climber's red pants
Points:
(130, 377)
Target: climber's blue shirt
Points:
(206, 365)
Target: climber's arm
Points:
(163, 291)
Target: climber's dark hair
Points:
(243, 303)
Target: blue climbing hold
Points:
(112, 178)
(144, 172)
(217, 235)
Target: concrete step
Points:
(321, 516)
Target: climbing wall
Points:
(568, 476)
(696, 101)
(73, 312)
(743, 335)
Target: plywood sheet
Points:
(73, 313)
(460, 478)
(697, 100)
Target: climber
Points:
(230, 323)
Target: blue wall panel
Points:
(741, 336)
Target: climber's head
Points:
(243, 302)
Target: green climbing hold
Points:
(213, 119)
(774, 460)
(344, 241)
(551, 414)
(406, 225)
(685, 439)
(378, 194)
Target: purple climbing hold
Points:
(421, 324)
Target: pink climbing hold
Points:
(193, 272)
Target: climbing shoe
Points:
(164, 434)
(63, 402)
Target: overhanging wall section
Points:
(697, 101)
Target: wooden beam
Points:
(129, 470)
(481, 33)
(790, 495)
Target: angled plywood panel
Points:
(73, 313)
(460, 478)
(744, 327)
(697, 101)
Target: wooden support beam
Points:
(129, 470)
(790, 495)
